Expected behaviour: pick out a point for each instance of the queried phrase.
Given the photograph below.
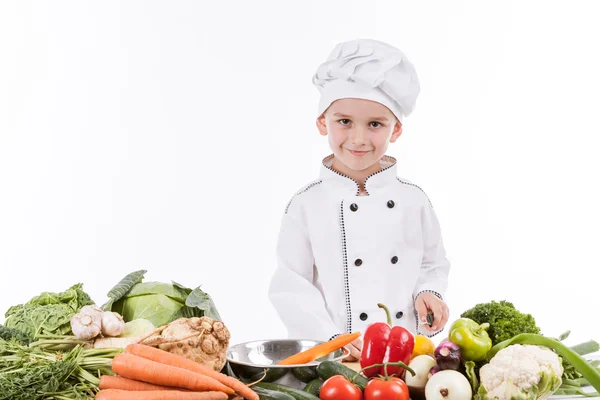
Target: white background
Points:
(169, 136)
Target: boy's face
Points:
(359, 131)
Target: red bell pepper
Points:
(383, 343)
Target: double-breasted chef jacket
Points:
(340, 254)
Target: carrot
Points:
(158, 355)
(117, 394)
(120, 382)
(140, 369)
(321, 350)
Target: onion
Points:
(434, 370)
(421, 365)
(448, 385)
(448, 355)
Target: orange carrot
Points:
(117, 394)
(140, 369)
(120, 382)
(321, 350)
(175, 360)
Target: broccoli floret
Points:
(504, 319)
(10, 333)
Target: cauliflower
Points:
(520, 372)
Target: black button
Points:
(363, 316)
(399, 314)
(358, 262)
(391, 204)
(394, 260)
(353, 207)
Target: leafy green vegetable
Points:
(29, 373)
(13, 334)
(159, 303)
(49, 313)
(504, 319)
(123, 287)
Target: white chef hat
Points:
(368, 69)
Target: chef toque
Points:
(368, 69)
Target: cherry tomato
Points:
(392, 388)
(339, 388)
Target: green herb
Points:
(31, 373)
(504, 319)
(13, 334)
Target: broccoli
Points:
(504, 319)
(10, 333)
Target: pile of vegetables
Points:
(492, 352)
(503, 356)
(154, 340)
(63, 346)
(32, 366)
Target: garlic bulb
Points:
(112, 324)
(91, 310)
(87, 323)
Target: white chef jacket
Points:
(340, 254)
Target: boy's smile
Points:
(359, 133)
(358, 153)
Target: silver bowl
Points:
(251, 361)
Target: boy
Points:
(359, 235)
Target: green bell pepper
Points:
(472, 339)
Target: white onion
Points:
(448, 385)
(421, 365)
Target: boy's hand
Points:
(355, 349)
(429, 302)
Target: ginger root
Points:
(203, 340)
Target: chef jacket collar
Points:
(377, 180)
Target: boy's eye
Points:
(376, 124)
(344, 121)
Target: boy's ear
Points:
(396, 132)
(321, 125)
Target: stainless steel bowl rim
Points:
(345, 353)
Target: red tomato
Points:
(392, 388)
(339, 388)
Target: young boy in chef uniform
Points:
(360, 235)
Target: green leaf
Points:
(185, 289)
(472, 375)
(204, 302)
(48, 313)
(123, 287)
(188, 312)
(564, 336)
(585, 348)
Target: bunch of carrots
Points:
(148, 373)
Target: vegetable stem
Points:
(384, 365)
